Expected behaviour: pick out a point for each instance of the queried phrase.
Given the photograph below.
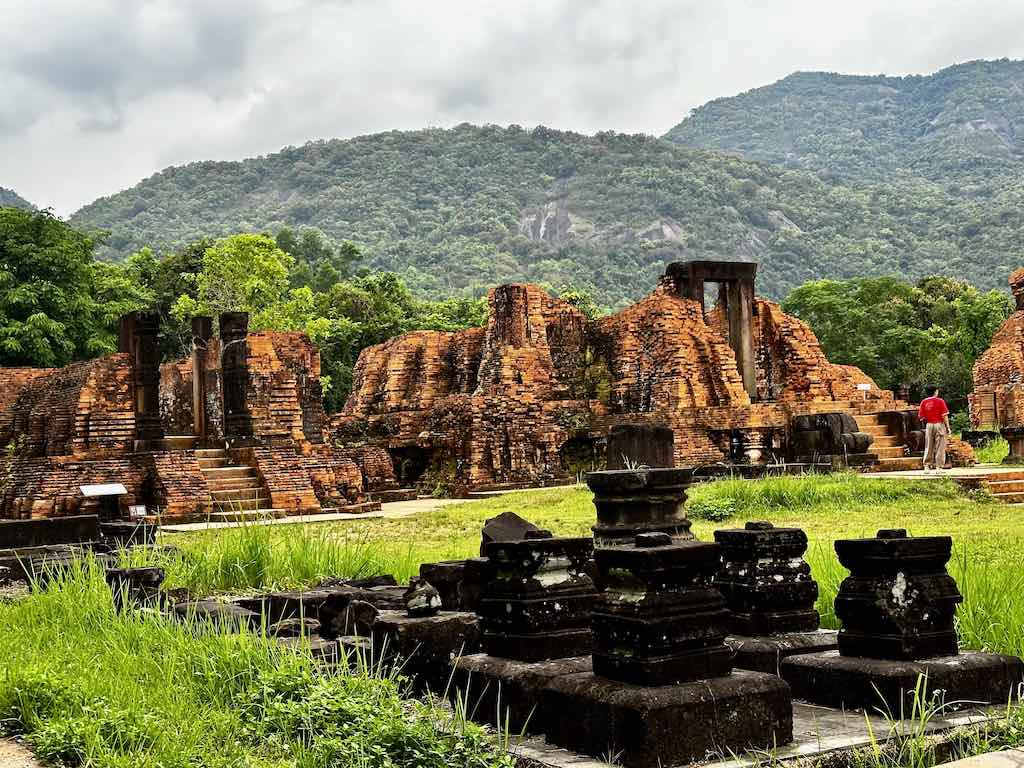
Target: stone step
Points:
(243, 492)
(905, 464)
(1010, 498)
(867, 420)
(211, 453)
(179, 442)
(231, 484)
(246, 515)
(205, 463)
(395, 494)
(241, 505)
(1005, 486)
(892, 452)
(883, 441)
(224, 473)
(876, 430)
(997, 477)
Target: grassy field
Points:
(87, 686)
(988, 539)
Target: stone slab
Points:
(764, 654)
(1010, 758)
(969, 678)
(649, 727)
(508, 693)
(47, 531)
(426, 647)
(321, 649)
(222, 616)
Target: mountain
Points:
(962, 127)
(456, 210)
(11, 199)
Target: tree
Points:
(57, 304)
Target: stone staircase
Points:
(237, 490)
(891, 456)
(1007, 487)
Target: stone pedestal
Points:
(766, 583)
(662, 691)
(897, 607)
(630, 502)
(425, 647)
(509, 693)
(766, 652)
(537, 603)
(651, 727)
(1015, 437)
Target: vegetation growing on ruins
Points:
(89, 686)
(897, 333)
(454, 211)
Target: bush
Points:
(714, 509)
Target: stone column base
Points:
(765, 654)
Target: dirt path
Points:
(13, 755)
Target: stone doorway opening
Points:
(411, 464)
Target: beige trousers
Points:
(935, 445)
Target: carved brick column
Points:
(139, 338)
(202, 332)
(234, 351)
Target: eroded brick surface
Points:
(998, 396)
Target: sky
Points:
(99, 94)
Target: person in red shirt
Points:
(935, 415)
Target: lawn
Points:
(988, 539)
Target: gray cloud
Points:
(101, 93)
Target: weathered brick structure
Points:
(171, 440)
(998, 397)
(530, 398)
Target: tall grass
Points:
(992, 451)
(748, 498)
(89, 686)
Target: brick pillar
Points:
(202, 331)
(139, 338)
(234, 352)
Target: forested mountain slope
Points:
(455, 210)
(11, 199)
(962, 127)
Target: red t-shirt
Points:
(932, 410)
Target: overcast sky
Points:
(98, 94)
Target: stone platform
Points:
(851, 682)
(508, 693)
(765, 654)
(652, 726)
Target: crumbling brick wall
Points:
(998, 374)
(83, 409)
(179, 487)
(47, 486)
(305, 481)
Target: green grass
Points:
(992, 451)
(988, 538)
(87, 686)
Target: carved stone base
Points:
(668, 725)
(765, 654)
(502, 692)
(853, 682)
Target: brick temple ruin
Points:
(530, 398)
(997, 402)
(235, 429)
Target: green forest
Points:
(455, 211)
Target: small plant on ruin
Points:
(12, 452)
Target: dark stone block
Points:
(537, 603)
(508, 526)
(648, 445)
(765, 654)
(856, 442)
(505, 692)
(649, 727)
(421, 599)
(5, 576)
(122, 533)
(425, 647)
(446, 577)
(475, 577)
(658, 620)
(630, 502)
(898, 601)
(49, 531)
(138, 586)
(765, 581)
(342, 615)
(279, 606)
(225, 617)
(863, 683)
(295, 628)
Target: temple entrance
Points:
(581, 454)
(411, 463)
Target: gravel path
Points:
(13, 755)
